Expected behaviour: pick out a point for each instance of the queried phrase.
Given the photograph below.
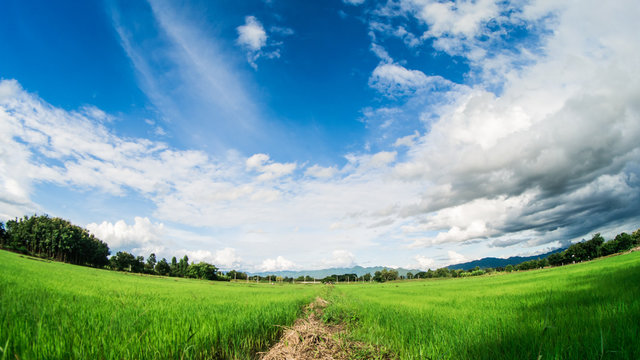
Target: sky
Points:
(287, 135)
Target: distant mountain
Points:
(319, 274)
(488, 262)
(492, 262)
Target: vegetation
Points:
(583, 311)
(58, 239)
(51, 310)
(86, 313)
(54, 238)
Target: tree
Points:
(183, 266)
(442, 272)
(162, 267)
(3, 234)
(201, 270)
(236, 275)
(409, 275)
(151, 263)
(54, 238)
(137, 266)
(509, 268)
(174, 267)
(592, 247)
(636, 237)
(122, 261)
(624, 242)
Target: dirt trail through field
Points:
(310, 338)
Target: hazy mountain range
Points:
(488, 262)
(492, 262)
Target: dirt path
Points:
(310, 338)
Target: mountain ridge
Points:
(487, 262)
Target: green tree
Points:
(151, 264)
(174, 267)
(122, 261)
(442, 272)
(201, 270)
(624, 242)
(162, 267)
(556, 259)
(183, 266)
(54, 238)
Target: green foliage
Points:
(583, 311)
(54, 238)
(162, 267)
(52, 310)
(385, 275)
(237, 275)
(202, 270)
(509, 268)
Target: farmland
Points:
(51, 310)
(589, 310)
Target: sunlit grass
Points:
(51, 310)
(583, 311)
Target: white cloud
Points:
(383, 158)
(459, 18)
(354, 2)
(340, 258)
(277, 264)
(320, 172)
(119, 235)
(225, 259)
(455, 258)
(252, 34)
(253, 37)
(407, 141)
(269, 170)
(396, 80)
(553, 155)
(425, 263)
(187, 75)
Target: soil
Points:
(311, 338)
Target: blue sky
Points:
(268, 135)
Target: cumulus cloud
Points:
(340, 258)
(551, 156)
(277, 264)
(321, 172)
(253, 37)
(354, 2)
(269, 170)
(225, 259)
(425, 263)
(540, 155)
(407, 141)
(455, 258)
(393, 79)
(120, 235)
(252, 34)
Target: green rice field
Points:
(51, 310)
(582, 311)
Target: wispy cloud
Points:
(189, 77)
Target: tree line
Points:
(58, 239)
(578, 252)
(53, 238)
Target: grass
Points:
(582, 311)
(51, 310)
